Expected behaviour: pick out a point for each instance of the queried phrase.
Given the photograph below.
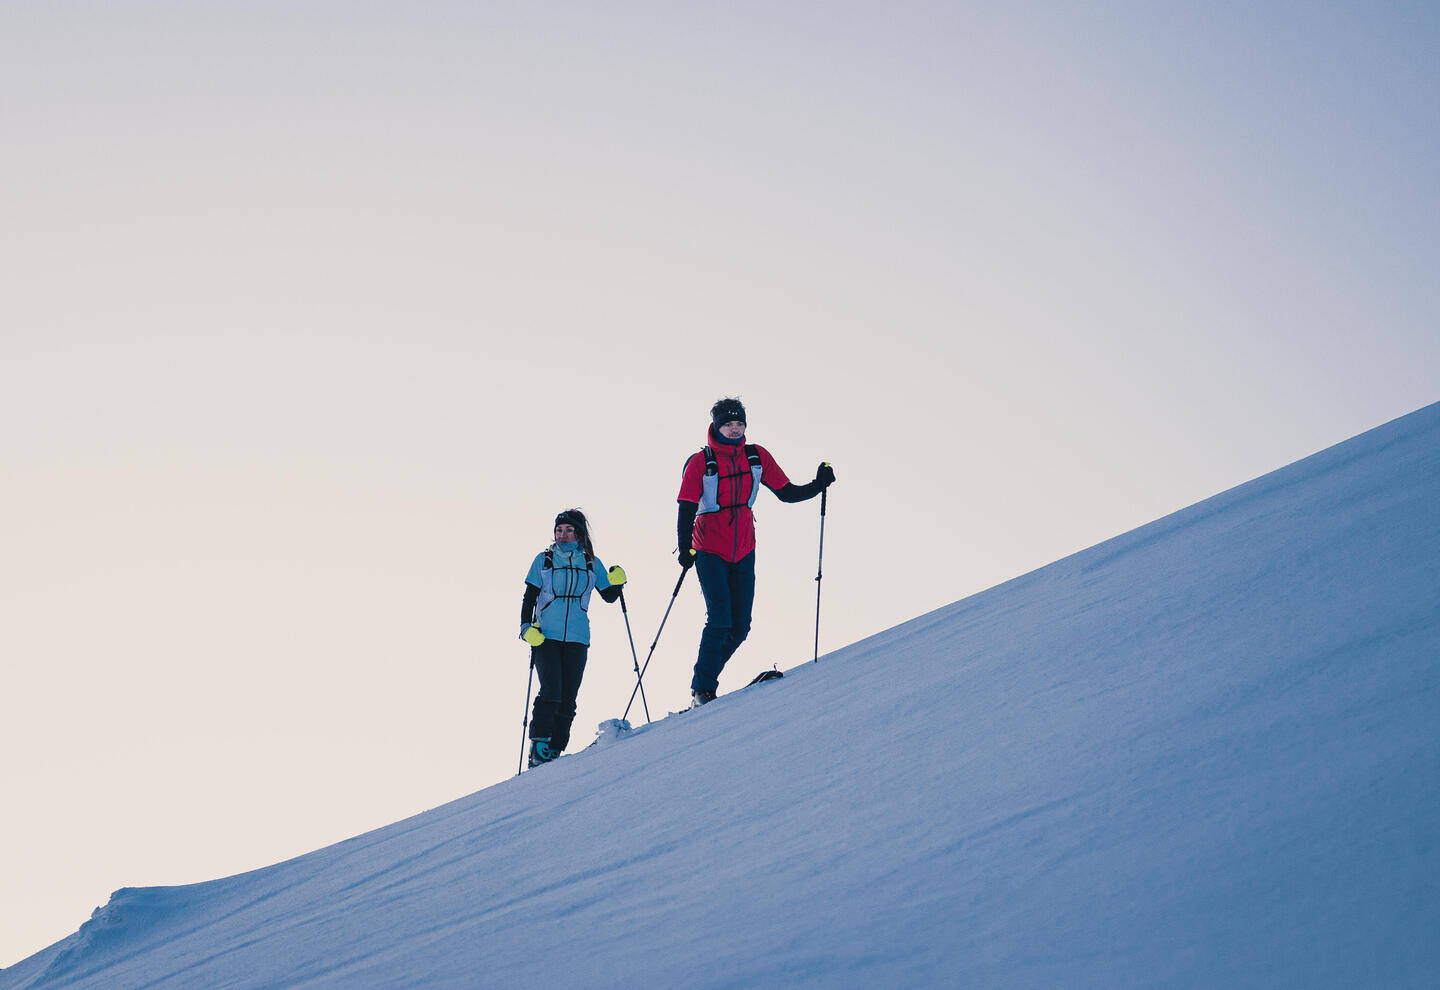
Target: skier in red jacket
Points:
(716, 533)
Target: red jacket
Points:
(729, 532)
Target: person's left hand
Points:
(616, 575)
(824, 475)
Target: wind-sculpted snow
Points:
(1204, 754)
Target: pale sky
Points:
(313, 315)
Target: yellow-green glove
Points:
(616, 575)
(533, 635)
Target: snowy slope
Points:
(1205, 753)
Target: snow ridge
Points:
(1203, 753)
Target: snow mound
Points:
(1202, 754)
(610, 731)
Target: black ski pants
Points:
(729, 591)
(560, 666)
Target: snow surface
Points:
(1205, 753)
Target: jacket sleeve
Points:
(527, 604)
(689, 500)
(798, 493)
(690, 477)
(609, 593)
(773, 478)
(685, 525)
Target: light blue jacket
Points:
(565, 592)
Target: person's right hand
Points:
(687, 558)
(533, 635)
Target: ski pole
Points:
(819, 573)
(525, 720)
(626, 612)
(639, 678)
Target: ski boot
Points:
(540, 752)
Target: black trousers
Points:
(560, 666)
(729, 591)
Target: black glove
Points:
(824, 476)
(687, 558)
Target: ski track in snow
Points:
(1203, 753)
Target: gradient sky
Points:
(312, 315)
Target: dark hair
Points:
(726, 409)
(577, 519)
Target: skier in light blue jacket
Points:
(554, 620)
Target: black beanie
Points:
(725, 410)
(575, 518)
